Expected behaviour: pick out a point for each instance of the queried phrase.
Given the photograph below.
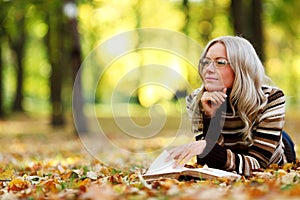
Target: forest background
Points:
(43, 44)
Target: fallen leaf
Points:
(18, 184)
(6, 175)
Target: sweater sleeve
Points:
(214, 154)
(216, 158)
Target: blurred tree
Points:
(257, 33)
(201, 20)
(247, 22)
(138, 17)
(55, 48)
(16, 33)
(3, 11)
(186, 11)
(72, 40)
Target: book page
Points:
(163, 164)
(213, 172)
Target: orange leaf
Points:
(18, 184)
(51, 185)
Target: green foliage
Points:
(99, 20)
(282, 45)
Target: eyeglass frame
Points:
(214, 63)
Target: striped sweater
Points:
(230, 152)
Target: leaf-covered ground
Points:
(37, 162)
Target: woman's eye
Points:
(206, 62)
(221, 62)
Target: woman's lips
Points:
(210, 78)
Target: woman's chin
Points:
(211, 88)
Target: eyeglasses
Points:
(218, 63)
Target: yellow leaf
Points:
(18, 184)
(288, 166)
(6, 175)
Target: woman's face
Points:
(216, 77)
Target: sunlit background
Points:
(98, 21)
(43, 44)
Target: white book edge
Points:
(163, 165)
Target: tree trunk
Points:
(257, 36)
(76, 61)
(17, 43)
(186, 10)
(54, 40)
(246, 19)
(20, 78)
(238, 16)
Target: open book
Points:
(162, 167)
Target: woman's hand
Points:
(211, 101)
(182, 154)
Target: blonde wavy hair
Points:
(246, 97)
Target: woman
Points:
(237, 118)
